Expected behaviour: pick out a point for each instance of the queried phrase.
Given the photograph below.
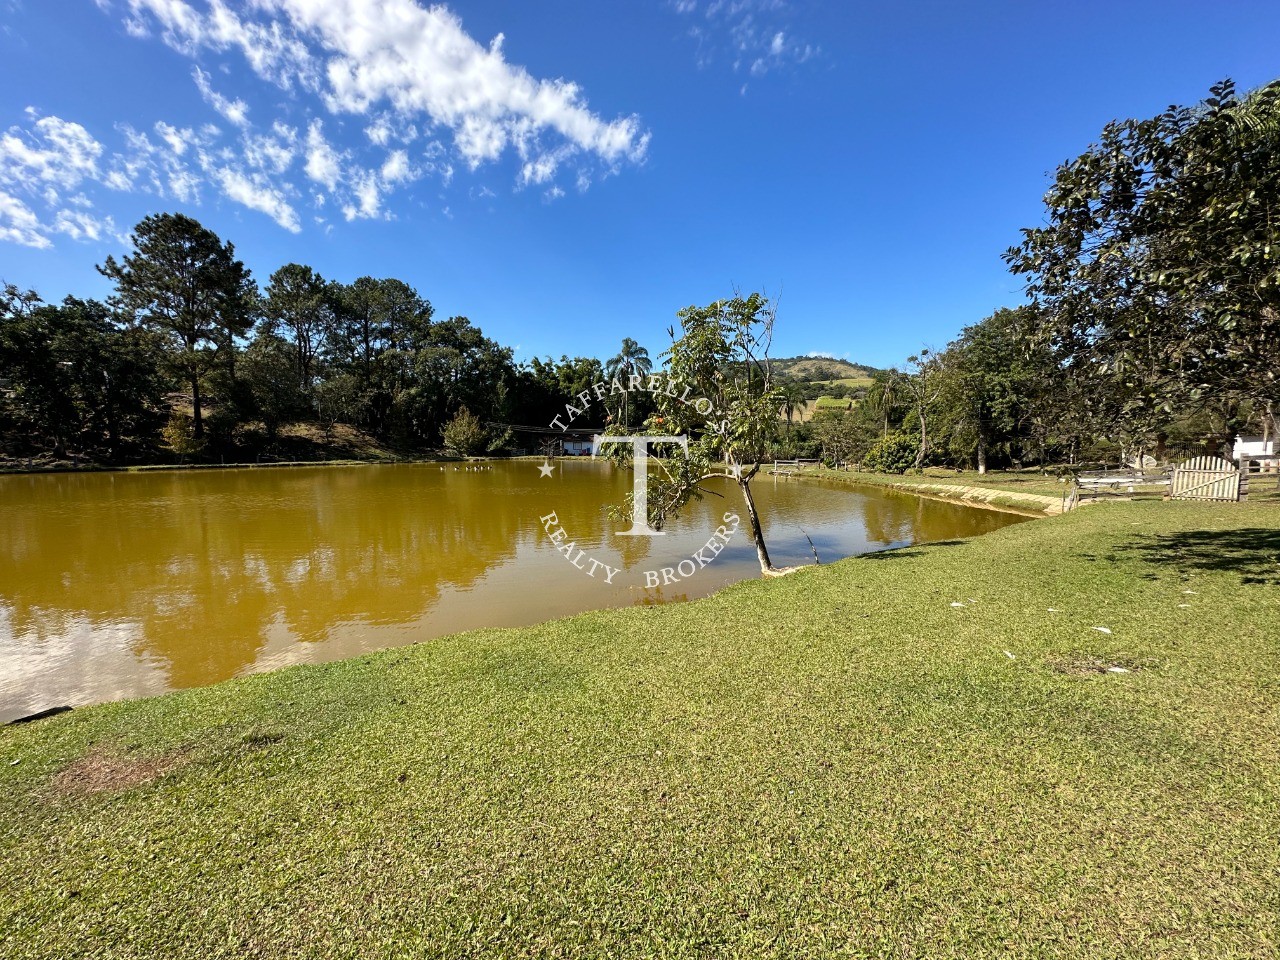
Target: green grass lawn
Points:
(922, 753)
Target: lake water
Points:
(118, 585)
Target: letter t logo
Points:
(640, 482)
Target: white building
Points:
(1252, 447)
(1256, 447)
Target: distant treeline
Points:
(190, 357)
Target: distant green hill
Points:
(813, 369)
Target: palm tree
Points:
(793, 399)
(883, 396)
(631, 360)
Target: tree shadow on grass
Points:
(1253, 553)
(893, 553)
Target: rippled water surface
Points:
(118, 585)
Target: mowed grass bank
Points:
(917, 754)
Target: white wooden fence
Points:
(1205, 478)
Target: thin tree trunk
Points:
(982, 453)
(924, 442)
(757, 537)
(196, 418)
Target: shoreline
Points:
(1026, 504)
(983, 498)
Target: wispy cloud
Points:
(755, 37)
(19, 224)
(428, 96)
(397, 55)
(825, 355)
(237, 111)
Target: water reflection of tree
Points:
(891, 518)
(205, 565)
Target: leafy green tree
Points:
(270, 370)
(884, 397)
(465, 435)
(541, 388)
(842, 436)
(180, 436)
(924, 385)
(76, 380)
(992, 372)
(380, 329)
(340, 398)
(1158, 268)
(455, 365)
(184, 283)
(722, 354)
(298, 306)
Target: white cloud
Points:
(387, 127)
(540, 170)
(324, 163)
(379, 132)
(176, 139)
(161, 167)
(79, 225)
(368, 194)
(273, 51)
(236, 111)
(274, 152)
(257, 194)
(54, 153)
(396, 169)
(406, 69)
(416, 61)
(175, 164)
(19, 224)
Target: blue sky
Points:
(567, 173)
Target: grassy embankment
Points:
(1026, 491)
(919, 753)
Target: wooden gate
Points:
(1205, 478)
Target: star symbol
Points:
(546, 469)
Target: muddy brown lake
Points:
(116, 585)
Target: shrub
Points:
(180, 435)
(465, 435)
(895, 453)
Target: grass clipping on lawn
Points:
(919, 753)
